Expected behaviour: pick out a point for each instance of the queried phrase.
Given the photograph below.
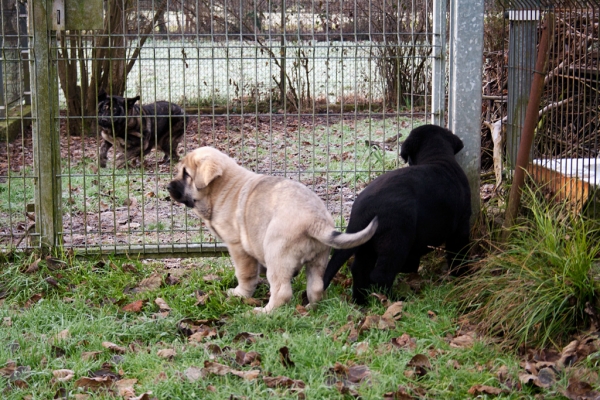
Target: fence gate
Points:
(319, 92)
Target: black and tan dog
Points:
(425, 204)
(264, 221)
(135, 130)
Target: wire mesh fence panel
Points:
(17, 224)
(319, 92)
(564, 158)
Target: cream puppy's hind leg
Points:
(280, 286)
(246, 272)
(314, 277)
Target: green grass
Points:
(17, 191)
(88, 301)
(534, 289)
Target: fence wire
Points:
(565, 153)
(319, 92)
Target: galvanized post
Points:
(521, 62)
(24, 49)
(46, 138)
(464, 90)
(438, 78)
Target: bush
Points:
(535, 289)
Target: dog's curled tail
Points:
(339, 240)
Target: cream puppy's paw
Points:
(237, 292)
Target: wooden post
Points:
(46, 135)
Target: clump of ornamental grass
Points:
(542, 284)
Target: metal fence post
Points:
(438, 75)
(521, 62)
(464, 90)
(46, 135)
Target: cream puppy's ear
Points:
(206, 171)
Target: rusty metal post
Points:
(531, 121)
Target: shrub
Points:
(542, 284)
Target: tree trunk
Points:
(109, 63)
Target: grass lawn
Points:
(91, 329)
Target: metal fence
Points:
(565, 156)
(319, 92)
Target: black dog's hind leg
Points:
(457, 249)
(338, 258)
(393, 257)
(104, 147)
(168, 143)
(362, 267)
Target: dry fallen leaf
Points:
(60, 336)
(33, 267)
(404, 342)
(376, 322)
(578, 390)
(394, 311)
(134, 307)
(162, 305)
(203, 331)
(194, 373)
(346, 390)
(362, 348)
(348, 328)
(63, 375)
(201, 297)
(90, 355)
(8, 370)
(546, 377)
(33, 300)
(114, 347)
(568, 356)
(400, 394)
(220, 369)
(477, 390)
(502, 373)
(283, 381)
(152, 282)
(420, 363)
(301, 310)
(382, 298)
(247, 337)
(188, 327)
(166, 353)
(94, 383)
(461, 341)
(251, 301)
(350, 374)
(55, 264)
(125, 387)
(251, 358)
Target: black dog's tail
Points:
(338, 259)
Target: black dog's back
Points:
(169, 118)
(425, 204)
(135, 130)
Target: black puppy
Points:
(135, 130)
(425, 204)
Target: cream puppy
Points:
(263, 220)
